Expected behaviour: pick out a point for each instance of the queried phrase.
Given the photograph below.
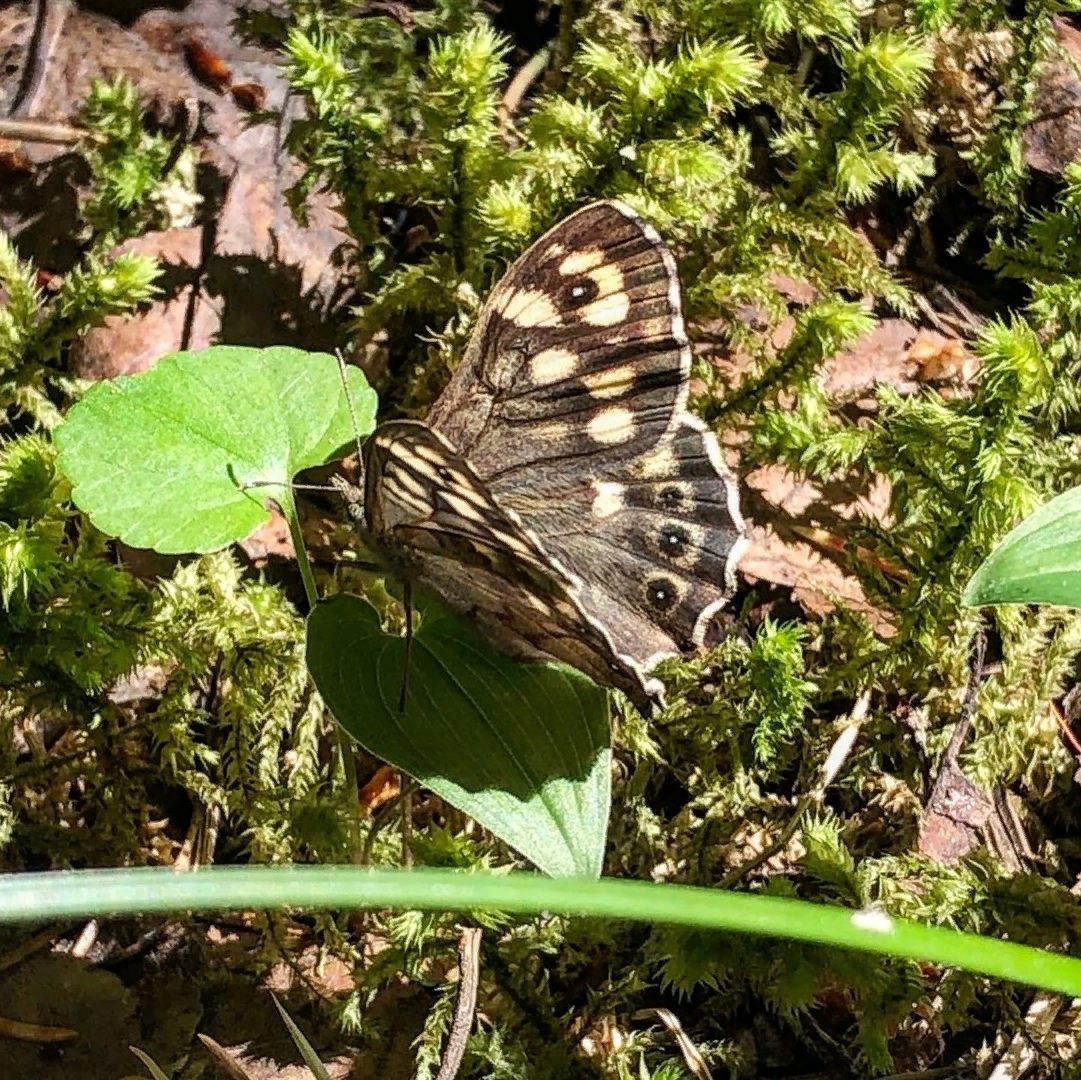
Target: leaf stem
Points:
(289, 509)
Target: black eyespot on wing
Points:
(661, 593)
(579, 292)
(673, 497)
(673, 540)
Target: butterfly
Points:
(559, 493)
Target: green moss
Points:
(766, 141)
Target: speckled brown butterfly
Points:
(559, 494)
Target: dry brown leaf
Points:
(207, 66)
(385, 784)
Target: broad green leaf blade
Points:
(522, 748)
(183, 457)
(1038, 562)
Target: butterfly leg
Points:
(407, 603)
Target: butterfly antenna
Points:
(407, 604)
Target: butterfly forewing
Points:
(580, 348)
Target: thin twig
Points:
(840, 750)
(224, 1059)
(384, 815)
(692, 1056)
(32, 945)
(49, 18)
(517, 88)
(41, 131)
(968, 706)
(466, 1006)
(407, 831)
(568, 15)
(1066, 731)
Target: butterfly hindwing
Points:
(436, 523)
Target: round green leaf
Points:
(522, 748)
(1038, 562)
(183, 457)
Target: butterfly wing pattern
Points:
(559, 493)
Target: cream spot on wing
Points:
(554, 250)
(556, 432)
(608, 310)
(464, 490)
(538, 604)
(608, 500)
(511, 542)
(661, 462)
(552, 365)
(529, 307)
(609, 279)
(406, 482)
(612, 425)
(429, 453)
(566, 609)
(611, 382)
(578, 262)
(425, 468)
(462, 506)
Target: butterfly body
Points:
(559, 494)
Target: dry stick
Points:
(523, 79)
(383, 816)
(466, 1005)
(842, 745)
(407, 831)
(32, 945)
(49, 18)
(568, 14)
(968, 707)
(1065, 731)
(41, 131)
(225, 1061)
(692, 1056)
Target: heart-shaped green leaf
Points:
(183, 457)
(1037, 562)
(522, 748)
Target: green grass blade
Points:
(307, 1051)
(151, 1065)
(37, 896)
